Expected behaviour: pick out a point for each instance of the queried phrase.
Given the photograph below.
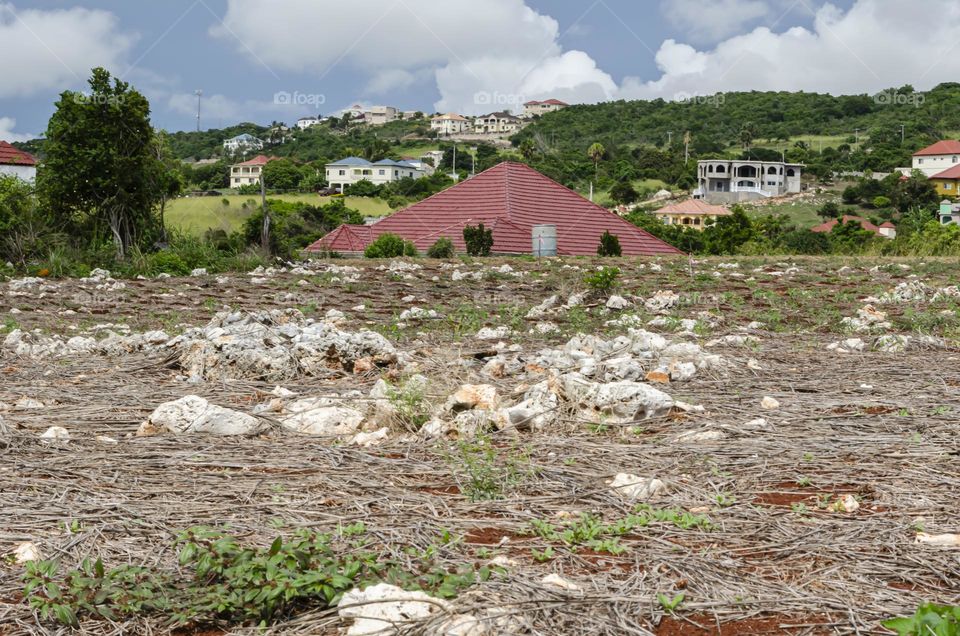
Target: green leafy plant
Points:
(484, 472)
(603, 280)
(479, 240)
(929, 620)
(221, 580)
(410, 404)
(609, 245)
(670, 604)
(442, 248)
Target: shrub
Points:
(609, 245)
(386, 246)
(829, 210)
(941, 620)
(479, 240)
(167, 263)
(443, 248)
(603, 280)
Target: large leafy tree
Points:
(102, 172)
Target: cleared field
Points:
(198, 214)
(814, 142)
(804, 463)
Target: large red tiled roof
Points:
(829, 225)
(509, 198)
(945, 147)
(949, 173)
(11, 156)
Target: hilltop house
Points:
(947, 182)
(517, 203)
(450, 124)
(936, 158)
(308, 122)
(248, 172)
(242, 143)
(535, 108)
(886, 230)
(380, 115)
(693, 213)
(17, 163)
(348, 171)
(730, 181)
(496, 124)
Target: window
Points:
(948, 186)
(920, 160)
(771, 170)
(383, 172)
(696, 221)
(721, 169)
(342, 172)
(710, 168)
(790, 172)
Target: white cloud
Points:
(875, 45)
(387, 80)
(55, 49)
(217, 108)
(716, 19)
(499, 46)
(7, 124)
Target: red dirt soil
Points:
(706, 625)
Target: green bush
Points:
(603, 280)
(609, 245)
(479, 240)
(167, 263)
(443, 248)
(389, 246)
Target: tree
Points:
(389, 246)
(101, 166)
(609, 245)
(829, 210)
(479, 240)
(596, 152)
(915, 192)
(282, 174)
(728, 233)
(623, 192)
(527, 148)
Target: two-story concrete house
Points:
(497, 124)
(450, 124)
(536, 108)
(730, 181)
(936, 158)
(351, 170)
(248, 172)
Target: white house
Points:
(450, 124)
(248, 172)
(17, 163)
(937, 158)
(728, 181)
(242, 143)
(308, 122)
(496, 124)
(535, 108)
(354, 169)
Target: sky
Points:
(278, 60)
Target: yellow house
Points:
(694, 213)
(947, 182)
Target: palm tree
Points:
(596, 153)
(527, 148)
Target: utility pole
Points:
(455, 175)
(902, 133)
(686, 147)
(669, 138)
(199, 94)
(856, 132)
(265, 232)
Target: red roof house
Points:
(510, 199)
(10, 156)
(864, 223)
(945, 147)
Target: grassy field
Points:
(814, 142)
(803, 214)
(196, 215)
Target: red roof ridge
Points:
(10, 155)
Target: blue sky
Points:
(469, 56)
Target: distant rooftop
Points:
(945, 147)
